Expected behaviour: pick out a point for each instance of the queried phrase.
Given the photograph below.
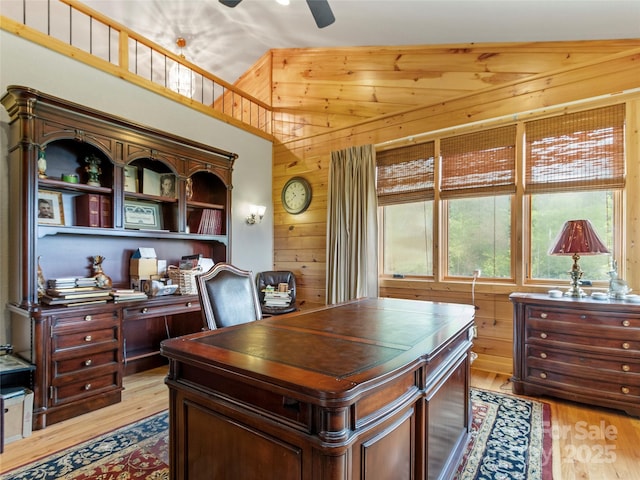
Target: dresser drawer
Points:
(622, 370)
(595, 337)
(584, 386)
(580, 318)
(86, 338)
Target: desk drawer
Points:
(85, 338)
(146, 310)
(84, 319)
(73, 387)
(86, 362)
(581, 319)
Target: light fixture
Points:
(181, 78)
(576, 238)
(256, 212)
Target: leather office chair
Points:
(274, 278)
(227, 296)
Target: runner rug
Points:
(510, 439)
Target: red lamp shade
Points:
(578, 236)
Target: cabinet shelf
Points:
(214, 206)
(59, 185)
(150, 198)
(46, 230)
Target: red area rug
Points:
(510, 440)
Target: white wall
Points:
(27, 64)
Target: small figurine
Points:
(617, 287)
(93, 170)
(101, 278)
(41, 282)
(42, 163)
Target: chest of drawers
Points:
(578, 349)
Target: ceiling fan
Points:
(320, 10)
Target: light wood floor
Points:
(588, 443)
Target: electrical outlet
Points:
(476, 273)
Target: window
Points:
(574, 164)
(408, 239)
(568, 166)
(478, 180)
(404, 183)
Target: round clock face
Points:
(296, 195)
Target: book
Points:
(105, 212)
(88, 210)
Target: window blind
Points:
(576, 151)
(479, 163)
(405, 174)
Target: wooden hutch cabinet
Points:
(583, 350)
(101, 174)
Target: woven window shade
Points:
(405, 174)
(479, 163)
(577, 151)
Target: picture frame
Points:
(131, 178)
(168, 184)
(150, 182)
(49, 209)
(142, 215)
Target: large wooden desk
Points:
(373, 389)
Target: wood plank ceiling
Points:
(315, 90)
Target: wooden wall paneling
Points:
(610, 75)
(632, 234)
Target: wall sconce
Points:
(256, 212)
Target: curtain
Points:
(352, 225)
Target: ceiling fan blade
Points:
(321, 12)
(230, 3)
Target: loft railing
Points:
(73, 29)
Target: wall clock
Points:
(296, 195)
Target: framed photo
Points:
(49, 208)
(168, 185)
(150, 182)
(131, 178)
(142, 215)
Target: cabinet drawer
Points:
(85, 338)
(580, 318)
(85, 363)
(82, 386)
(584, 386)
(146, 310)
(598, 338)
(87, 318)
(622, 370)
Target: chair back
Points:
(228, 296)
(275, 278)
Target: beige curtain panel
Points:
(352, 225)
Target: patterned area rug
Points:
(510, 440)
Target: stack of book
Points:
(274, 298)
(206, 221)
(73, 292)
(127, 295)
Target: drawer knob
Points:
(626, 345)
(543, 335)
(625, 390)
(145, 310)
(626, 368)
(88, 318)
(87, 363)
(188, 304)
(88, 338)
(543, 315)
(87, 386)
(626, 323)
(543, 355)
(543, 375)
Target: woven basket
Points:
(185, 279)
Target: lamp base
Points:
(575, 291)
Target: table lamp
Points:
(576, 238)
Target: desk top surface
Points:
(335, 347)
